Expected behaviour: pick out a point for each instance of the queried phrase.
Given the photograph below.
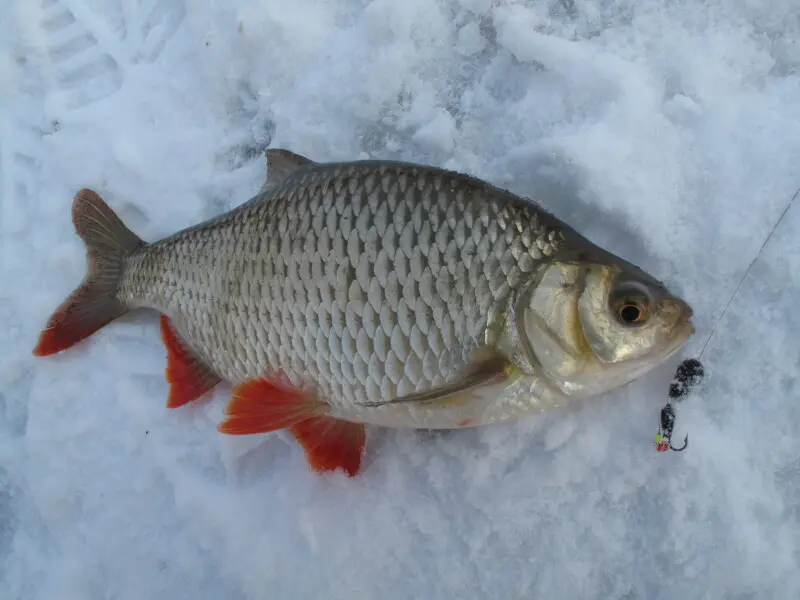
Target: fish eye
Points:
(630, 312)
(631, 305)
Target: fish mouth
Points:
(685, 322)
(683, 331)
(684, 328)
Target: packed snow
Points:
(668, 132)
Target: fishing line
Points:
(691, 371)
(741, 282)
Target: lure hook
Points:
(689, 373)
(682, 448)
(664, 435)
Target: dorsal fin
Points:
(282, 163)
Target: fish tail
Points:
(94, 303)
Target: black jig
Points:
(690, 372)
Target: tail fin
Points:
(93, 304)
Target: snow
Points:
(668, 132)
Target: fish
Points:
(374, 293)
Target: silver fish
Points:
(375, 292)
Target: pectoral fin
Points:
(488, 370)
(188, 376)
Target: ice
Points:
(470, 40)
(668, 132)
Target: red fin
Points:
(263, 405)
(188, 376)
(94, 303)
(85, 311)
(331, 443)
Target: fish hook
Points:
(682, 448)
(689, 373)
(664, 435)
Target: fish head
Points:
(595, 326)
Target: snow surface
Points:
(667, 131)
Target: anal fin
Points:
(188, 376)
(331, 444)
(264, 405)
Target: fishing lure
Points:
(689, 373)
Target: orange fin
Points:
(94, 303)
(188, 376)
(331, 443)
(263, 405)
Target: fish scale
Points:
(400, 263)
